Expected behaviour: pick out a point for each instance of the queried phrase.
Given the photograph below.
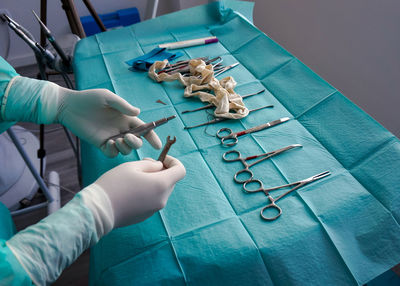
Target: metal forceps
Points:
(219, 119)
(236, 156)
(144, 128)
(273, 201)
(211, 105)
(231, 138)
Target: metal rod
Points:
(219, 119)
(29, 163)
(77, 149)
(29, 209)
(43, 18)
(41, 153)
(73, 19)
(154, 10)
(78, 161)
(95, 15)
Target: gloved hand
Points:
(127, 194)
(93, 115)
(138, 189)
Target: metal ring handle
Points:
(225, 157)
(271, 205)
(223, 130)
(252, 181)
(229, 141)
(243, 171)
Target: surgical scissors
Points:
(246, 170)
(273, 201)
(231, 138)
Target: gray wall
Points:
(354, 45)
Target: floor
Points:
(59, 158)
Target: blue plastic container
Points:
(119, 18)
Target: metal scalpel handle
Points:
(265, 126)
(166, 148)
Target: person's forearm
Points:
(29, 100)
(7, 72)
(48, 247)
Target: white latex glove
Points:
(127, 194)
(138, 189)
(93, 115)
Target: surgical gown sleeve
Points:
(7, 72)
(11, 271)
(42, 251)
(45, 249)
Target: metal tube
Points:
(29, 209)
(29, 163)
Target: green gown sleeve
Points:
(7, 72)
(11, 271)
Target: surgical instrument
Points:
(231, 138)
(166, 148)
(160, 101)
(43, 56)
(184, 69)
(177, 66)
(189, 43)
(273, 201)
(144, 128)
(219, 119)
(225, 69)
(182, 66)
(211, 105)
(65, 60)
(234, 155)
